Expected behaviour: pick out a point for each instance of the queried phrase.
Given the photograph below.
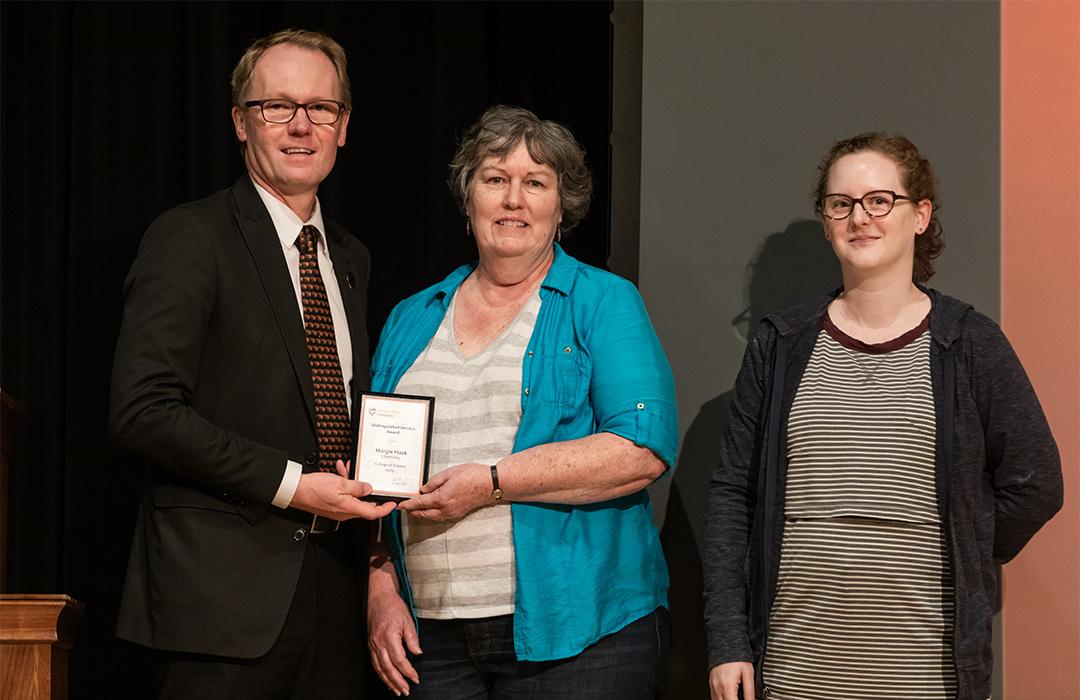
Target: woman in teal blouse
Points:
(593, 423)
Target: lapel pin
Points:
(350, 280)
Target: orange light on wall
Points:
(1040, 311)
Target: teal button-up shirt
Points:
(593, 364)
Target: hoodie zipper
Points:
(947, 420)
(772, 459)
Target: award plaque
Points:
(393, 444)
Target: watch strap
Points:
(496, 492)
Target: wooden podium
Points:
(36, 632)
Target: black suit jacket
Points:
(212, 388)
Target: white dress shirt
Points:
(288, 225)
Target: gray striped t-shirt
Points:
(864, 605)
(465, 568)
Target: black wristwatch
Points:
(496, 492)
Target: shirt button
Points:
(526, 391)
(310, 459)
(640, 406)
(299, 535)
(567, 350)
(530, 353)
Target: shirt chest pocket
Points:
(561, 378)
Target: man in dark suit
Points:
(242, 345)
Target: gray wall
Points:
(739, 101)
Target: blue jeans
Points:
(475, 659)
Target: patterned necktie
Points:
(331, 411)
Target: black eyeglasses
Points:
(877, 204)
(278, 111)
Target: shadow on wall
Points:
(791, 266)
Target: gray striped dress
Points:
(864, 599)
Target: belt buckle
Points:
(323, 526)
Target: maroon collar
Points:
(873, 348)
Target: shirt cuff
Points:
(289, 481)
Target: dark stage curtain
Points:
(114, 112)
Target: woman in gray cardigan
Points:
(885, 452)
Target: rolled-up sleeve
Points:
(632, 389)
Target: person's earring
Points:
(558, 232)
(468, 228)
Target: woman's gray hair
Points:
(499, 131)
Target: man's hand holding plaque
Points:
(393, 444)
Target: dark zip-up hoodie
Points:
(998, 477)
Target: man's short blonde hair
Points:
(317, 41)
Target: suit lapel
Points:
(262, 240)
